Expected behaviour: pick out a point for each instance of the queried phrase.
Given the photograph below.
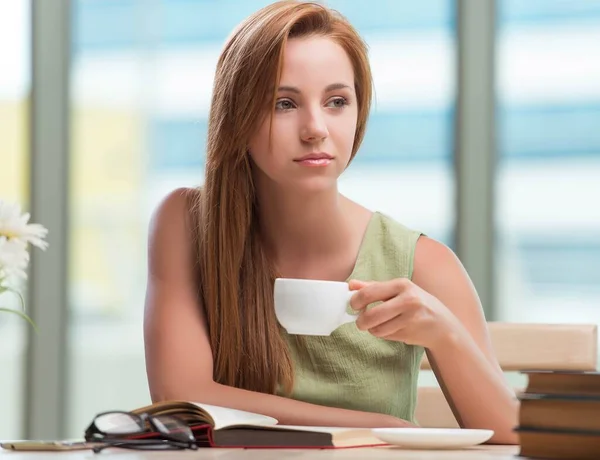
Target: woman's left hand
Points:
(408, 313)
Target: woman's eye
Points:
(338, 103)
(284, 104)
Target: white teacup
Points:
(312, 307)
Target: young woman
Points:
(291, 98)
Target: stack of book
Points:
(559, 417)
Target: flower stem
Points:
(22, 315)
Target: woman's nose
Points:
(314, 127)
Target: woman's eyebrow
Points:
(336, 86)
(332, 87)
(290, 89)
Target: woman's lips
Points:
(315, 159)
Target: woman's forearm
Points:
(480, 396)
(289, 411)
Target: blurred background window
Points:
(15, 85)
(548, 176)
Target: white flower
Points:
(16, 234)
(14, 226)
(13, 259)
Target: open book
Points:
(215, 426)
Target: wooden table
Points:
(474, 453)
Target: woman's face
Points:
(314, 121)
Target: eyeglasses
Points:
(109, 429)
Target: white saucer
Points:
(433, 438)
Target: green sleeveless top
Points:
(352, 369)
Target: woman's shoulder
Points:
(173, 221)
(388, 248)
(180, 198)
(415, 251)
(426, 248)
(176, 205)
(394, 231)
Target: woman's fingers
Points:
(380, 314)
(378, 292)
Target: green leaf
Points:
(22, 315)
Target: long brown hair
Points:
(236, 277)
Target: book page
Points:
(226, 417)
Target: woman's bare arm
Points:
(465, 364)
(179, 360)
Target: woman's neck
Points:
(303, 230)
